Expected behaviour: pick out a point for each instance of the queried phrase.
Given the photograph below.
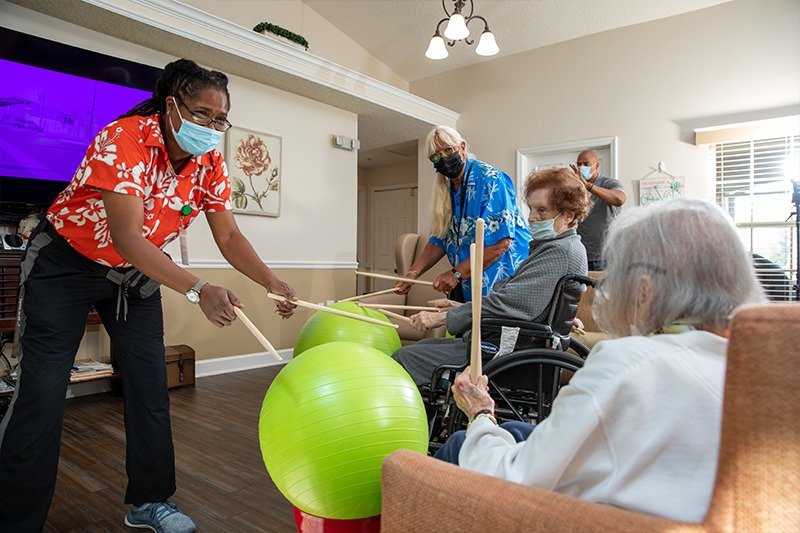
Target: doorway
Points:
(393, 212)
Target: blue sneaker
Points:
(161, 517)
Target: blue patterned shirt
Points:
(490, 195)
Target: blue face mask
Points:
(194, 138)
(542, 230)
(586, 172)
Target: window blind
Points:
(753, 185)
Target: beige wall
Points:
(648, 84)
(324, 40)
(388, 175)
(185, 324)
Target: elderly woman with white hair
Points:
(638, 426)
(467, 189)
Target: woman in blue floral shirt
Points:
(467, 189)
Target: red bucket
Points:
(308, 523)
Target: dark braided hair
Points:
(183, 78)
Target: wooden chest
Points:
(180, 365)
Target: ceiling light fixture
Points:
(456, 30)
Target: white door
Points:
(394, 212)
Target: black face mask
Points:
(451, 166)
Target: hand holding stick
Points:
(258, 335)
(316, 307)
(476, 258)
(394, 278)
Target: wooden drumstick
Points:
(309, 305)
(394, 278)
(476, 255)
(395, 315)
(258, 335)
(359, 297)
(398, 306)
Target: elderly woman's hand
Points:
(444, 303)
(427, 320)
(472, 398)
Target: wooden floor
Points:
(222, 482)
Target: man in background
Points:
(608, 196)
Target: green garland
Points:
(283, 32)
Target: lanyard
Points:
(186, 210)
(456, 220)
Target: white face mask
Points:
(194, 138)
(542, 230)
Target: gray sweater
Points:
(526, 294)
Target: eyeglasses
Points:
(445, 152)
(220, 124)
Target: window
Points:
(753, 185)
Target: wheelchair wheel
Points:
(578, 348)
(523, 385)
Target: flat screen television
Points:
(54, 98)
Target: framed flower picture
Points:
(254, 166)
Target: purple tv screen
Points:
(48, 119)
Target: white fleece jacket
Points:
(638, 427)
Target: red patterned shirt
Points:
(129, 157)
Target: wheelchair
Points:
(526, 364)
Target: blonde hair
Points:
(690, 254)
(441, 207)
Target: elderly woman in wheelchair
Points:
(638, 426)
(557, 202)
(541, 308)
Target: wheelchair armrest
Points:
(515, 323)
(437, 376)
(586, 280)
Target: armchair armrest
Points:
(424, 494)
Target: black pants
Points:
(60, 287)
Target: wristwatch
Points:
(193, 294)
(457, 274)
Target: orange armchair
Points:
(758, 476)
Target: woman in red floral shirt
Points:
(145, 177)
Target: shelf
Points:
(9, 291)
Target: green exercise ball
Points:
(327, 422)
(325, 327)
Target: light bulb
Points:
(487, 46)
(456, 28)
(436, 49)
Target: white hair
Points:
(689, 251)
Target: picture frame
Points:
(658, 189)
(254, 166)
